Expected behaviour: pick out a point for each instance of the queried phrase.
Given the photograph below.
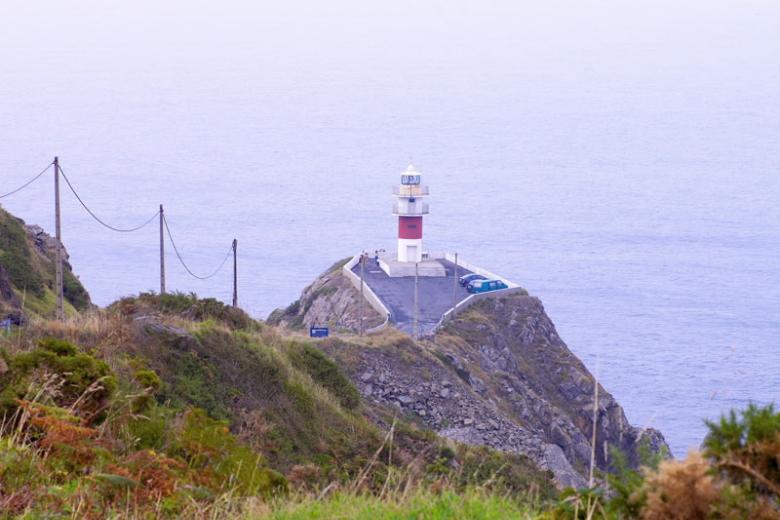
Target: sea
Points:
(620, 160)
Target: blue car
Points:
(467, 278)
(480, 286)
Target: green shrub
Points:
(150, 384)
(208, 446)
(76, 373)
(325, 372)
(746, 447)
(17, 464)
(301, 396)
(150, 430)
(74, 292)
(193, 381)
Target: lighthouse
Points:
(410, 208)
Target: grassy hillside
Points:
(27, 273)
(173, 405)
(186, 408)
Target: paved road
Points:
(398, 295)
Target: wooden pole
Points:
(58, 232)
(162, 250)
(454, 288)
(595, 421)
(235, 274)
(415, 329)
(362, 299)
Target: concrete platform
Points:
(437, 294)
(395, 269)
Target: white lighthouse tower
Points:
(410, 208)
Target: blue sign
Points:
(318, 332)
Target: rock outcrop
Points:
(516, 358)
(498, 375)
(330, 301)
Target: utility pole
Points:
(162, 251)
(415, 329)
(235, 274)
(362, 299)
(454, 288)
(595, 420)
(58, 233)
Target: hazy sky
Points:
(101, 41)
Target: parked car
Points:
(480, 286)
(466, 278)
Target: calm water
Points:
(621, 165)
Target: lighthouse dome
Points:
(410, 176)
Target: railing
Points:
(415, 209)
(377, 305)
(411, 190)
(368, 294)
(471, 300)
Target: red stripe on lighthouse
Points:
(410, 227)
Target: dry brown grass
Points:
(98, 329)
(690, 489)
(681, 490)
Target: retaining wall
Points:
(368, 294)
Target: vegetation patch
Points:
(74, 292)
(325, 372)
(187, 306)
(17, 258)
(56, 368)
(188, 419)
(473, 504)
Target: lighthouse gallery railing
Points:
(411, 191)
(412, 210)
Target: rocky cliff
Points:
(498, 375)
(329, 301)
(27, 268)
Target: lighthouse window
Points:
(410, 179)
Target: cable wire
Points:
(181, 260)
(112, 228)
(23, 186)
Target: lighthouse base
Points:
(394, 269)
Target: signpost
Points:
(318, 332)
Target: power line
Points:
(23, 186)
(112, 228)
(159, 213)
(181, 260)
